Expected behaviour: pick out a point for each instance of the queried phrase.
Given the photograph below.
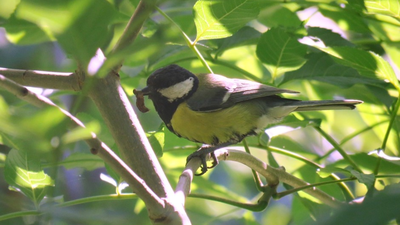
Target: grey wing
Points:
(219, 92)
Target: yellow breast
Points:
(226, 125)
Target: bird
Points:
(217, 111)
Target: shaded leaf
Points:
(157, 141)
(345, 18)
(327, 171)
(82, 160)
(244, 36)
(218, 19)
(24, 173)
(357, 5)
(22, 32)
(71, 22)
(329, 37)
(81, 133)
(380, 209)
(367, 179)
(280, 52)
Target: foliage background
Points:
(52, 36)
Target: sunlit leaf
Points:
(24, 173)
(7, 8)
(279, 15)
(280, 52)
(385, 7)
(323, 68)
(366, 63)
(218, 18)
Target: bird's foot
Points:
(202, 153)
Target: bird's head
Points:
(172, 83)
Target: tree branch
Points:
(124, 126)
(43, 79)
(272, 175)
(97, 147)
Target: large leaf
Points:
(279, 16)
(24, 173)
(385, 7)
(380, 209)
(366, 63)
(81, 27)
(345, 18)
(219, 19)
(323, 68)
(280, 52)
(245, 36)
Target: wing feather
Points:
(218, 92)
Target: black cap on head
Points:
(168, 76)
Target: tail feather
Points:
(325, 104)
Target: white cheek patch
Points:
(177, 90)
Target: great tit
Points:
(218, 111)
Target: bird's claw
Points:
(203, 166)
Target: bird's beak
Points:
(145, 91)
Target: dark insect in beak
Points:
(140, 99)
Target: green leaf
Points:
(385, 28)
(322, 67)
(346, 19)
(24, 172)
(357, 5)
(7, 8)
(81, 133)
(380, 209)
(219, 19)
(366, 63)
(290, 123)
(22, 32)
(367, 179)
(279, 15)
(81, 27)
(385, 7)
(157, 141)
(368, 162)
(329, 37)
(327, 171)
(245, 36)
(280, 52)
(82, 160)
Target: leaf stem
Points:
(189, 42)
(338, 148)
(385, 139)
